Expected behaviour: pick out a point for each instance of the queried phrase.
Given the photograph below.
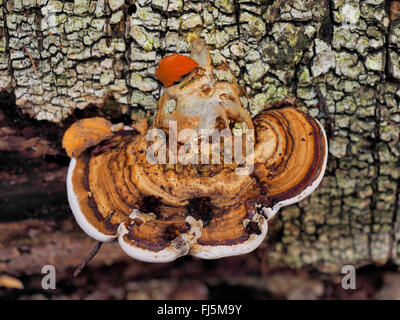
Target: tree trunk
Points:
(341, 59)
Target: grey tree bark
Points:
(340, 58)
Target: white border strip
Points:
(80, 218)
(220, 251)
(168, 254)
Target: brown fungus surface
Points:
(162, 210)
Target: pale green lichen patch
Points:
(256, 70)
(140, 98)
(253, 26)
(169, 106)
(116, 4)
(223, 75)
(227, 6)
(117, 17)
(272, 95)
(239, 128)
(324, 59)
(394, 66)
(375, 62)
(348, 65)
(143, 84)
(349, 13)
(160, 4)
(338, 147)
(142, 37)
(191, 21)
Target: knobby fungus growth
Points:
(160, 211)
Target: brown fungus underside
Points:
(162, 211)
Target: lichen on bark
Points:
(339, 58)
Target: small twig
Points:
(26, 51)
(89, 258)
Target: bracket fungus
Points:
(160, 211)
